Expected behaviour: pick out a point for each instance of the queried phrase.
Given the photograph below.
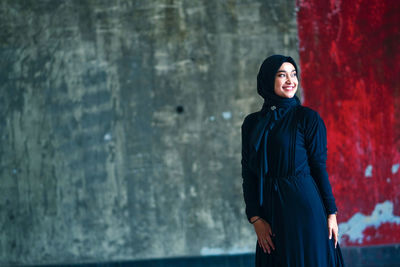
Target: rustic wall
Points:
(120, 125)
(350, 74)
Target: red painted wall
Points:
(350, 71)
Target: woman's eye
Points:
(281, 75)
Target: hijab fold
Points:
(274, 108)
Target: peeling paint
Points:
(193, 192)
(227, 115)
(354, 228)
(359, 107)
(368, 171)
(107, 137)
(395, 168)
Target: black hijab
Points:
(266, 80)
(273, 109)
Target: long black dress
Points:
(297, 193)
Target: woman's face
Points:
(286, 81)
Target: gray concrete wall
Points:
(97, 162)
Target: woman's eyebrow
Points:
(284, 71)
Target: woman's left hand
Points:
(333, 228)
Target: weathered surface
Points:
(97, 161)
(350, 66)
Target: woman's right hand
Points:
(264, 233)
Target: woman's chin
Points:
(288, 95)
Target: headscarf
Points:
(273, 109)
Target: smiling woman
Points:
(286, 188)
(286, 81)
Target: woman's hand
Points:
(333, 228)
(264, 233)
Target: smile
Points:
(288, 88)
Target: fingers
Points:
(336, 240)
(263, 244)
(266, 243)
(266, 247)
(335, 236)
(270, 231)
(264, 233)
(270, 243)
(260, 243)
(333, 230)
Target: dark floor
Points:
(353, 256)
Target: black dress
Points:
(297, 193)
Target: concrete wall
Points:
(120, 125)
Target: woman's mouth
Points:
(288, 88)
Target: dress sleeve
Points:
(316, 144)
(249, 185)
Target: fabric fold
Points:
(274, 109)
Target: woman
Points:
(286, 189)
